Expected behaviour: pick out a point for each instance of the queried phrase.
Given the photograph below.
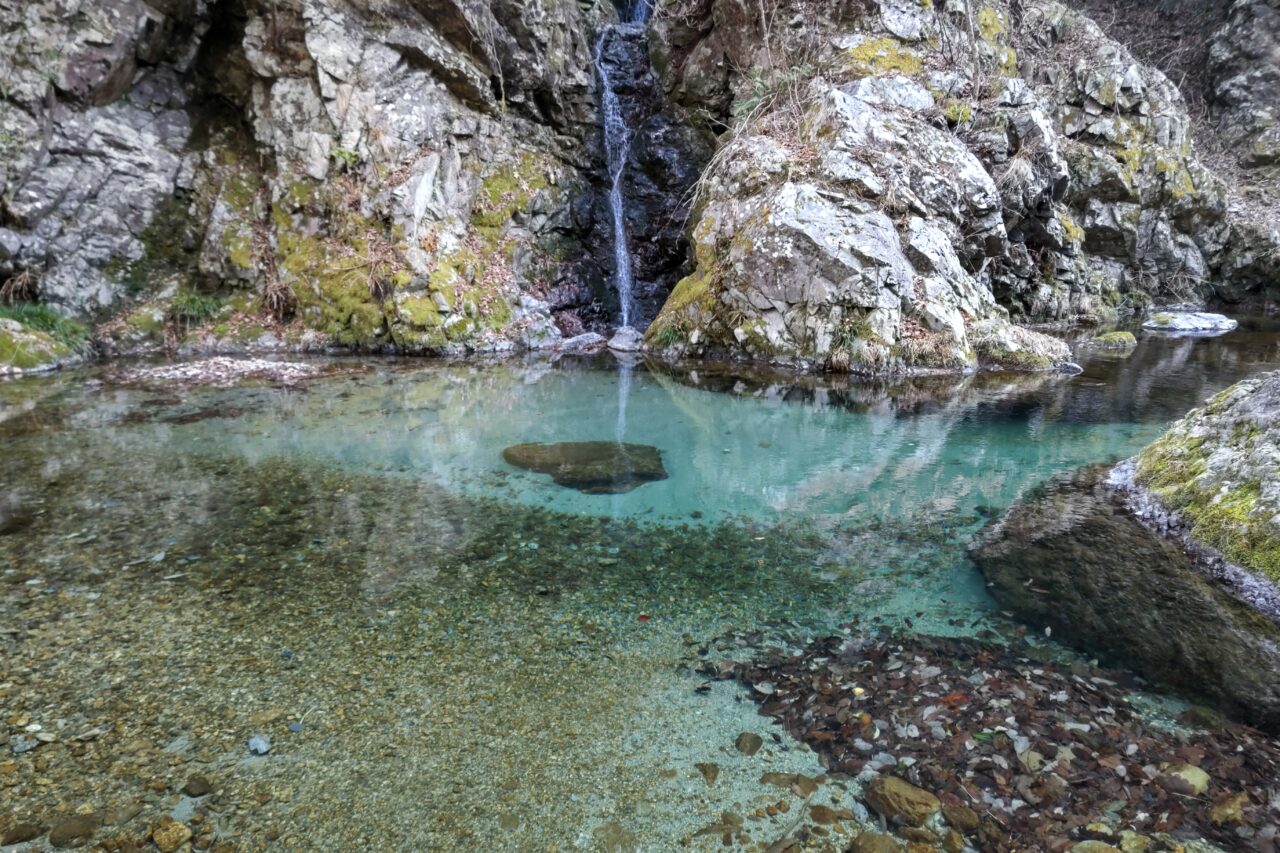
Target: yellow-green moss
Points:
(957, 111)
(991, 24)
(147, 320)
(692, 299)
(332, 289)
(1225, 520)
(884, 55)
(1007, 61)
(508, 191)
(1073, 232)
(29, 349)
(1116, 340)
(421, 311)
(1176, 177)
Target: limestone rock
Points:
(1245, 79)
(1217, 471)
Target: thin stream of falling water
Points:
(617, 144)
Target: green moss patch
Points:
(1115, 340)
(1228, 516)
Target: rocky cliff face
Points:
(894, 181)
(899, 178)
(1244, 65)
(397, 174)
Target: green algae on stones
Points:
(594, 467)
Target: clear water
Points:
(478, 658)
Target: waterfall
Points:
(617, 143)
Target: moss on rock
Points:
(1216, 469)
(1115, 340)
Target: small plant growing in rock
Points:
(21, 287)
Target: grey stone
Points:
(1189, 322)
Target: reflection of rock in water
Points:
(1071, 556)
(594, 467)
(14, 517)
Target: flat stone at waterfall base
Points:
(626, 339)
(594, 467)
(1189, 323)
(586, 342)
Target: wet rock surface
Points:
(594, 467)
(1073, 557)
(1020, 751)
(1188, 323)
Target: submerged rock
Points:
(223, 371)
(1189, 323)
(1073, 557)
(14, 517)
(594, 467)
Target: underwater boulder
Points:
(594, 467)
(1072, 556)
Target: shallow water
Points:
(479, 658)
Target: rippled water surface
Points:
(447, 652)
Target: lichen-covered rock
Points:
(1074, 556)
(1057, 170)
(1119, 340)
(316, 184)
(851, 246)
(93, 124)
(1189, 323)
(1218, 471)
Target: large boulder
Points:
(1216, 474)
(1171, 561)
(1074, 557)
